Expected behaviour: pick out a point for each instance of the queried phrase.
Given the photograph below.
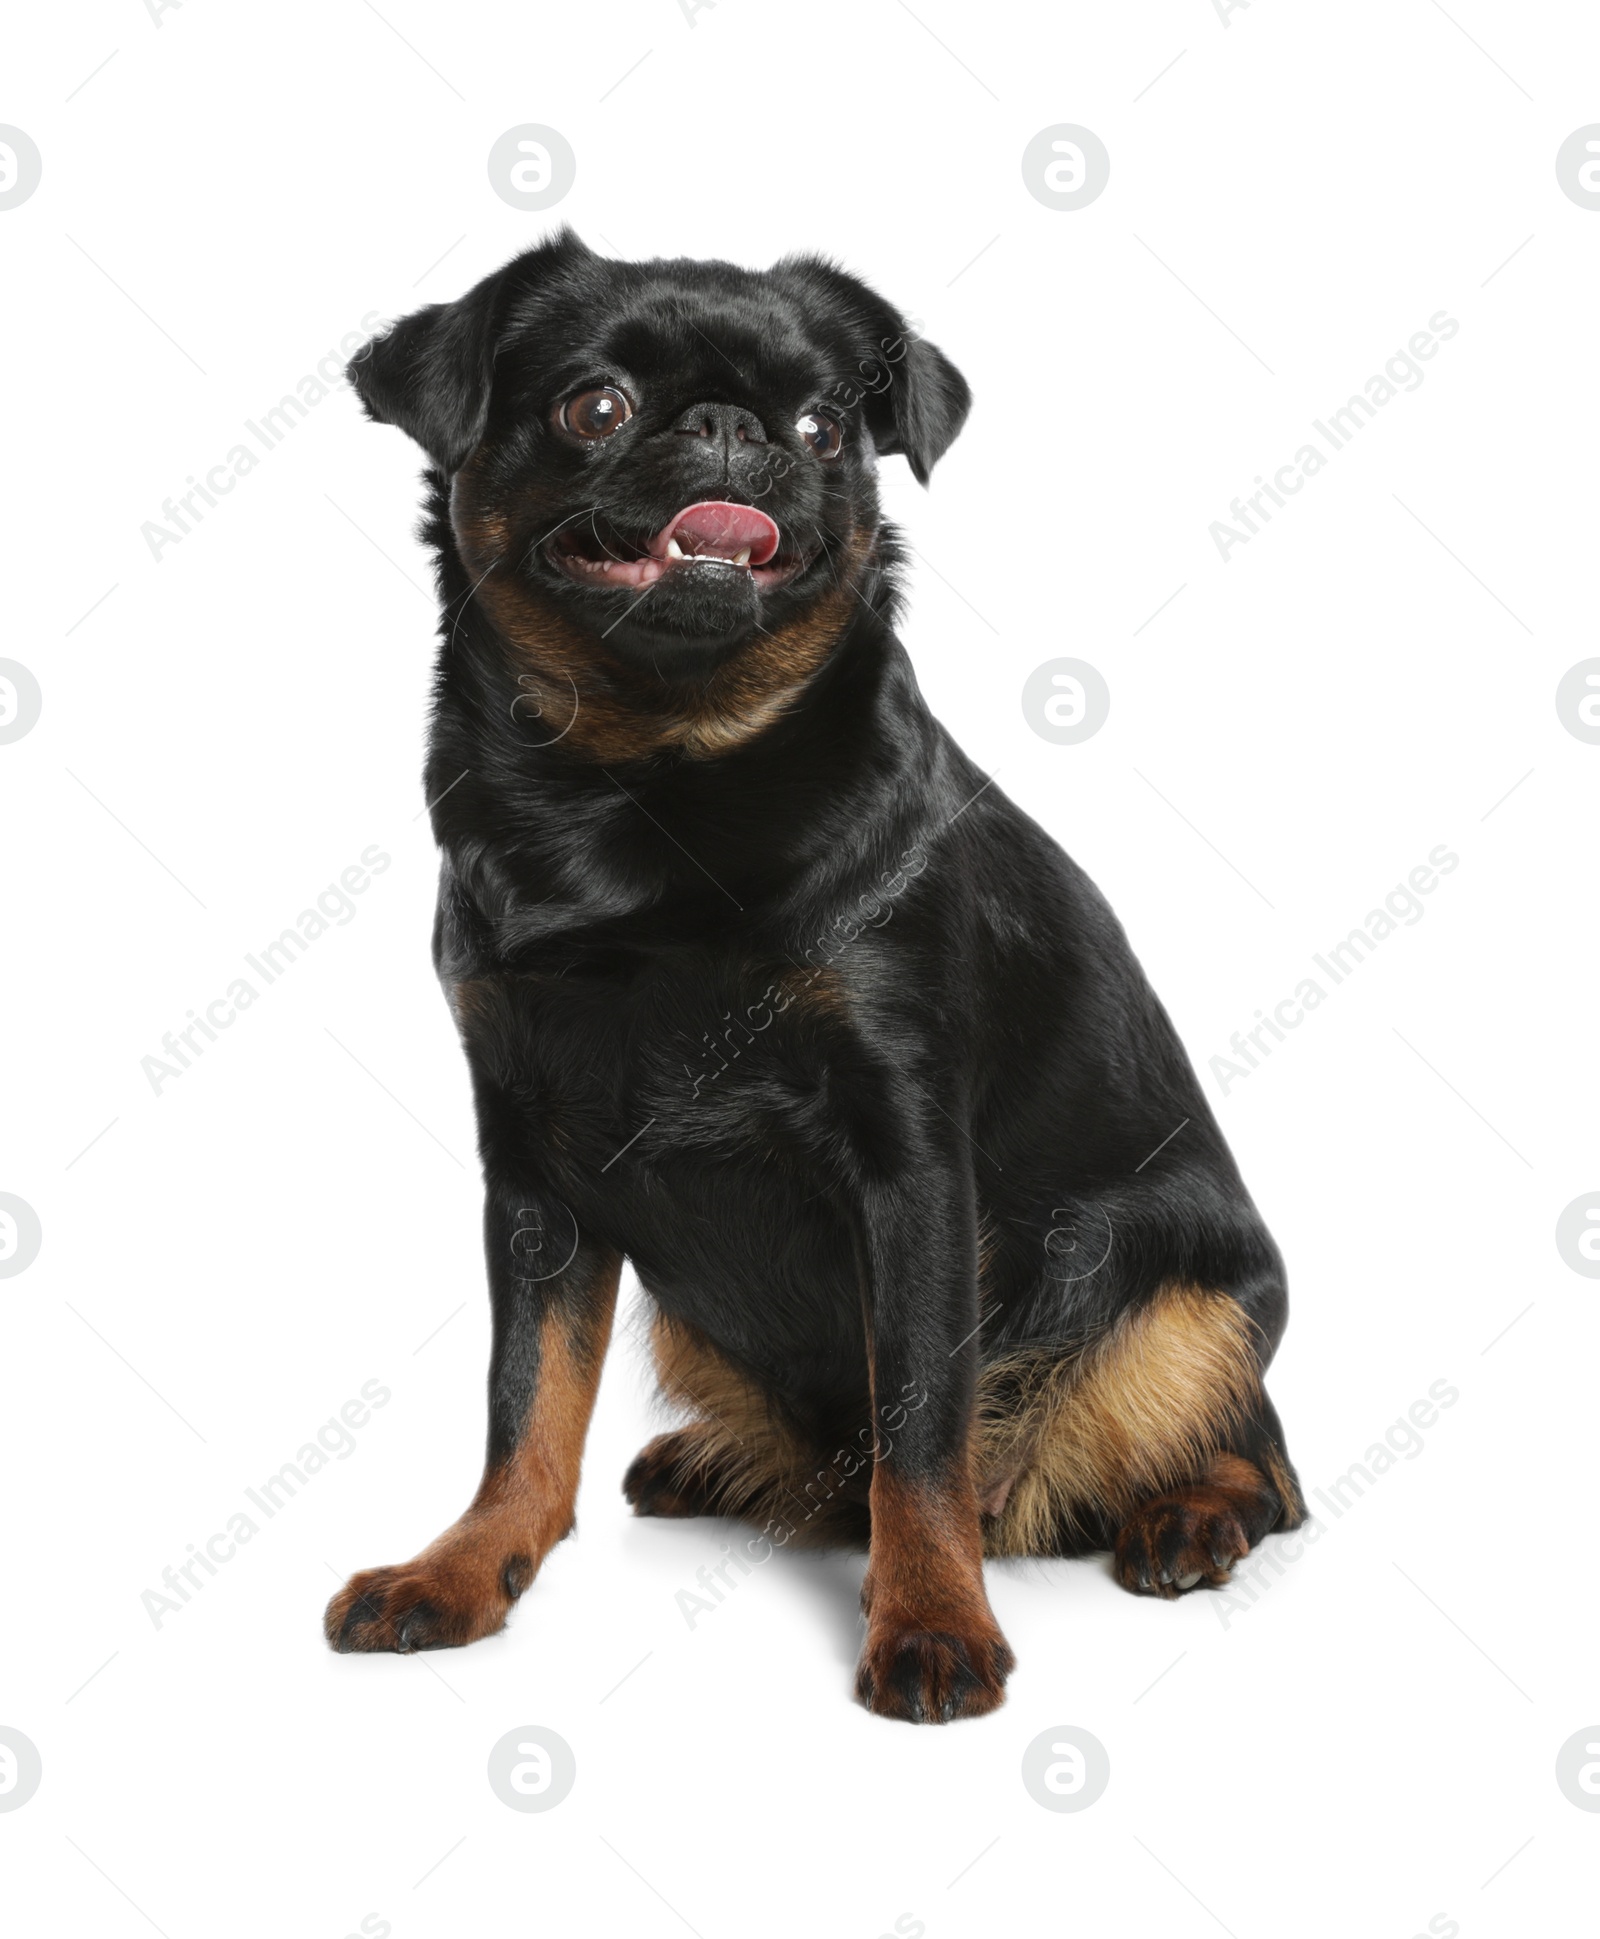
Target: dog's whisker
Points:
(606, 549)
(466, 601)
(587, 512)
(638, 602)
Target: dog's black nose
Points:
(728, 423)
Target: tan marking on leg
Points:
(934, 1650)
(531, 1496)
(1140, 1408)
(737, 1449)
(463, 1584)
(926, 1552)
(736, 1435)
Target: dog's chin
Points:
(704, 605)
(686, 616)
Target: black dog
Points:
(764, 988)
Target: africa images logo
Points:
(1403, 371)
(1402, 908)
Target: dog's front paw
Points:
(932, 1675)
(453, 1593)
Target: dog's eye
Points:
(822, 434)
(596, 413)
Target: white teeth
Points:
(743, 558)
(674, 550)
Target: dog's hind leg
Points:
(1156, 1440)
(729, 1453)
(685, 1472)
(734, 1455)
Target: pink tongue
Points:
(715, 530)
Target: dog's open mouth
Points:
(711, 536)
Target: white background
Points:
(1373, 1742)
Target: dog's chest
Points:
(622, 1063)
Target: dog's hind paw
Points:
(671, 1476)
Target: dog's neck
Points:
(535, 679)
(523, 814)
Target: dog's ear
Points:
(431, 372)
(928, 401)
(914, 398)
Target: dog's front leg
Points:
(553, 1291)
(933, 1650)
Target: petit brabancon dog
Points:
(766, 989)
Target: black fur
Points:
(789, 1021)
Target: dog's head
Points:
(663, 464)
